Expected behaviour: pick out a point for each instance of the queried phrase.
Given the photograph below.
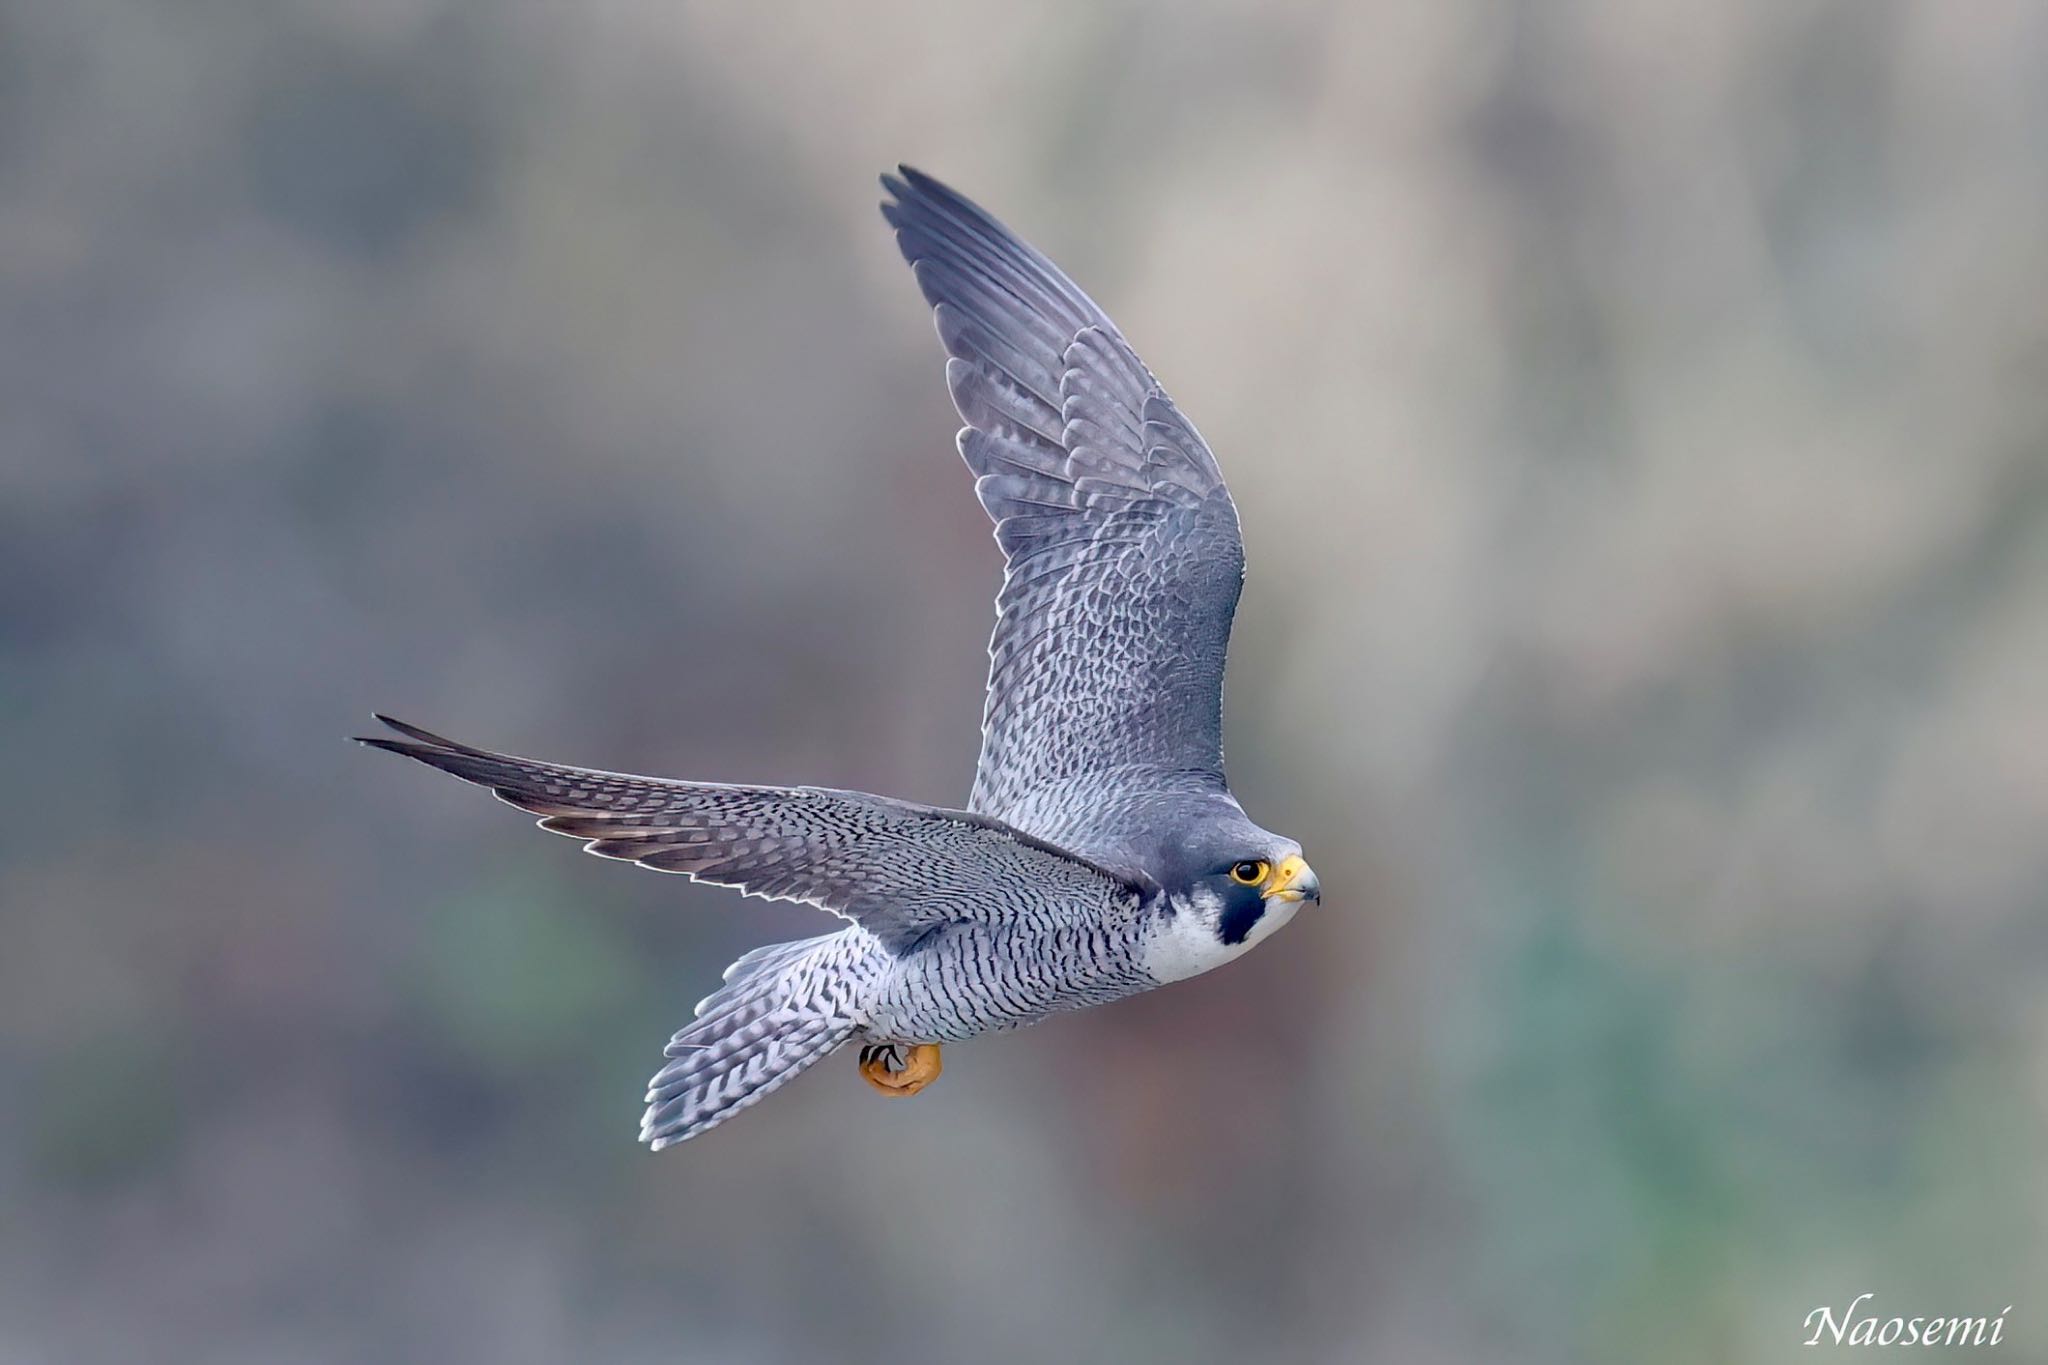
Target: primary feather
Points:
(895, 868)
(1123, 560)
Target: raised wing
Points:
(1122, 555)
(897, 869)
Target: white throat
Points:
(1188, 944)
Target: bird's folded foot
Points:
(899, 1069)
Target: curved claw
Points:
(899, 1070)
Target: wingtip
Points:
(907, 182)
(379, 741)
(394, 723)
(428, 738)
(896, 194)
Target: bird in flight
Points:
(1101, 853)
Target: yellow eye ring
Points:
(1250, 872)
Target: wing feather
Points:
(1123, 560)
(895, 868)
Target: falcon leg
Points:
(899, 1070)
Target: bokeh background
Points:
(1638, 419)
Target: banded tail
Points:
(750, 1037)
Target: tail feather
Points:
(769, 957)
(717, 1050)
(744, 1078)
(751, 1037)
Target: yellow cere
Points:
(1285, 875)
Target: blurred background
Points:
(1638, 421)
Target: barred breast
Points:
(967, 979)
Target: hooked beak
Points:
(1293, 880)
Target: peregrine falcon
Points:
(1101, 853)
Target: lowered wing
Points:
(896, 869)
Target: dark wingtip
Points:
(409, 731)
(378, 741)
(430, 739)
(423, 745)
(405, 748)
(469, 766)
(907, 182)
(898, 193)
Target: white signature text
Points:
(1871, 1330)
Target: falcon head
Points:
(1227, 886)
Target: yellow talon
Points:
(899, 1070)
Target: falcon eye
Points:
(1250, 872)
